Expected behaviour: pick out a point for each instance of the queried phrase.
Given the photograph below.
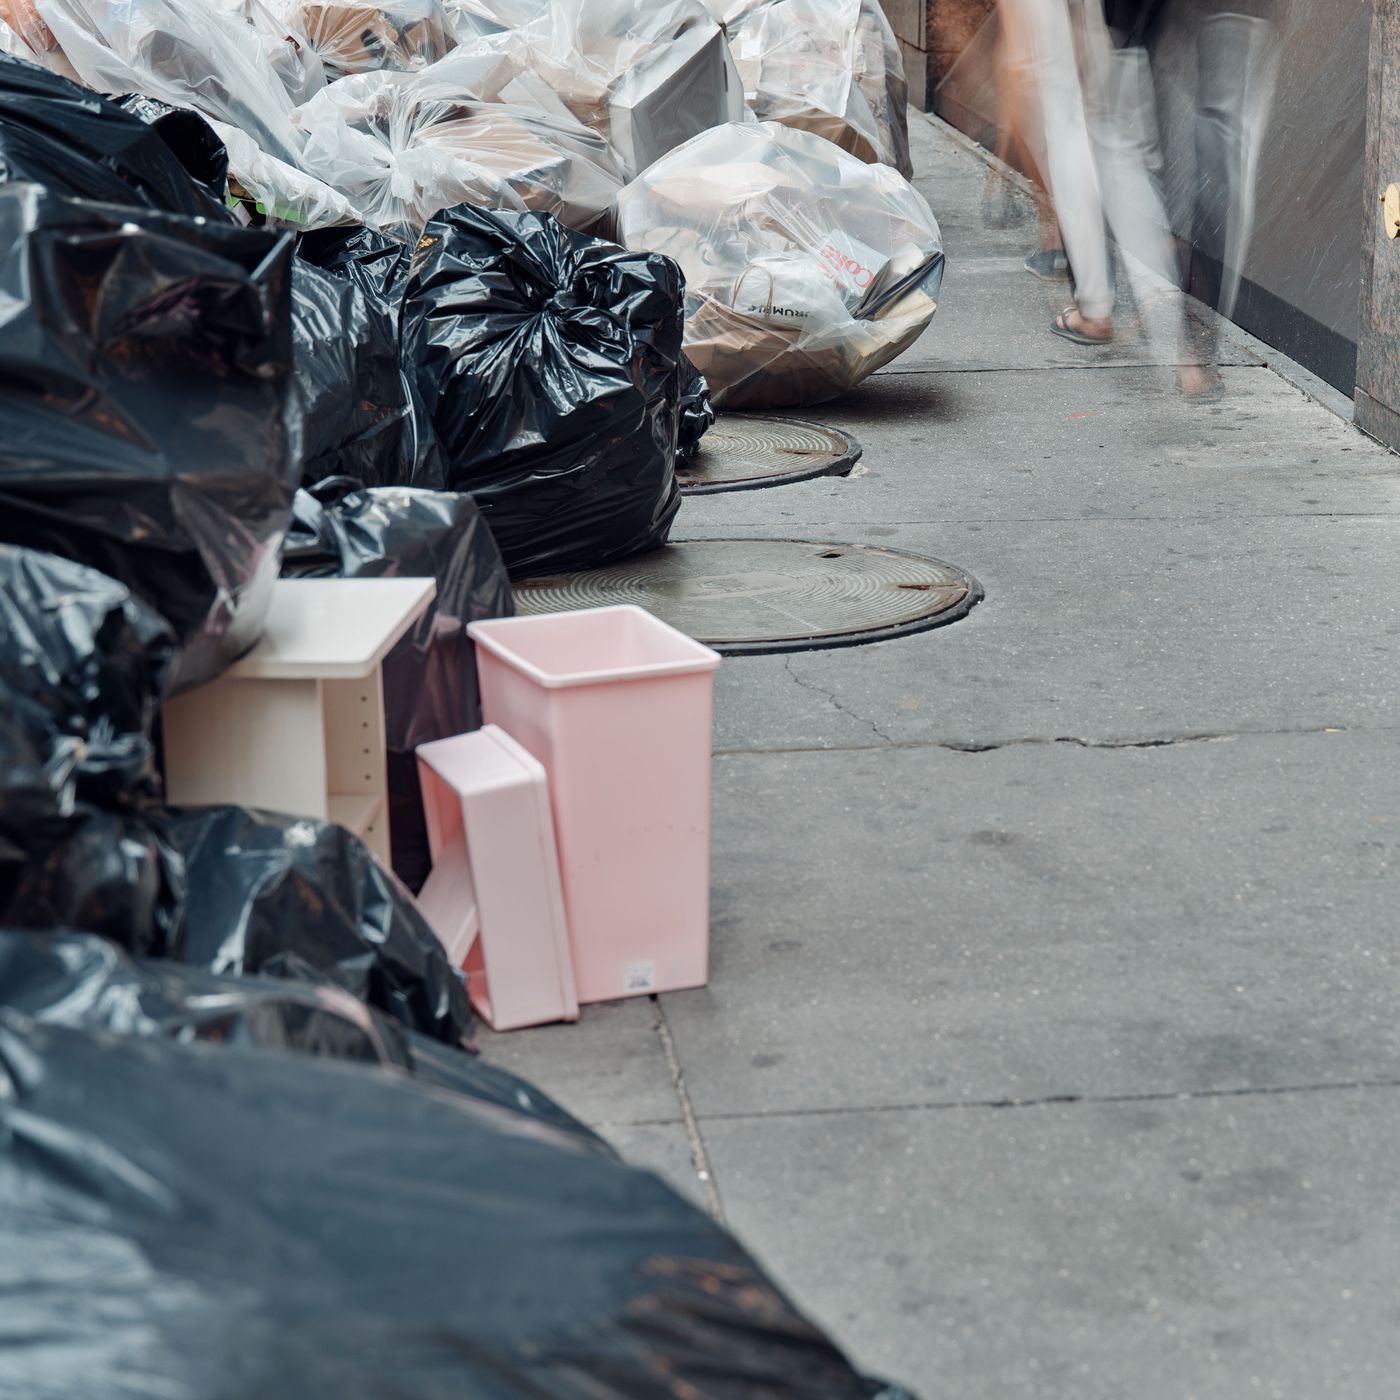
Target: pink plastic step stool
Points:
(494, 896)
(619, 708)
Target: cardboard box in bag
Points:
(683, 88)
(363, 38)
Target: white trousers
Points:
(1094, 141)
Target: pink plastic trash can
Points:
(619, 708)
(494, 896)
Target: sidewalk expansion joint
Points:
(699, 1157)
(836, 704)
(1044, 1101)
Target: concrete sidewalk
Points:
(1052, 1048)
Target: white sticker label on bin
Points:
(639, 977)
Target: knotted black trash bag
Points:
(72, 141)
(341, 529)
(147, 426)
(550, 363)
(207, 1219)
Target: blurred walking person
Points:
(1092, 136)
(1237, 61)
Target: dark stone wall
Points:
(932, 35)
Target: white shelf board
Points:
(333, 628)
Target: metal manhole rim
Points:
(973, 594)
(840, 464)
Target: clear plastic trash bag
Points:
(401, 150)
(832, 67)
(285, 196)
(470, 18)
(231, 60)
(645, 76)
(350, 37)
(806, 269)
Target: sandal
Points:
(1061, 326)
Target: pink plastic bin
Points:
(494, 897)
(619, 708)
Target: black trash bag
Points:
(697, 414)
(550, 362)
(192, 141)
(340, 529)
(373, 261)
(66, 978)
(57, 134)
(237, 892)
(112, 872)
(78, 979)
(82, 668)
(462, 1071)
(147, 425)
(378, 267)
(82, 664)
(202, 1221)
(291, 897)
(355, 409)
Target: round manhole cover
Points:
(742, 452)
(770, 595)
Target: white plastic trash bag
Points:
(806, 269)
(828, 66)
(401, 154)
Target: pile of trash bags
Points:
(390, 117)
(86, 841)
(243, 1146)
(382, 114)
(806, 270)
(304, 288)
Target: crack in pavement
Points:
(1044, 1101)
(837, 705)
(1169, 742)
(969, 746)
